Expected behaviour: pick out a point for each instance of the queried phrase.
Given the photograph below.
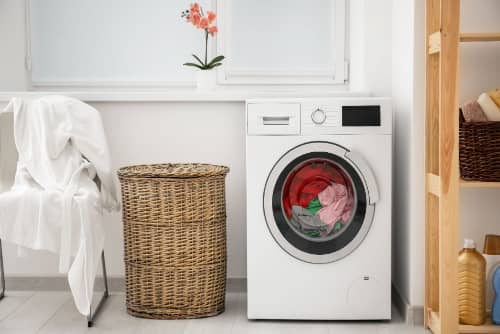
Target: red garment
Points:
(305, 183)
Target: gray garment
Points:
(304, 220)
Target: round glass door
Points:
(316, 203)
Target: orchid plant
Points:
(196, 16)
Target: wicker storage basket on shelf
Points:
(174, 218)
(479, 144)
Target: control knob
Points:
(318, 116)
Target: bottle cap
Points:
(469, 243)
(492, 244)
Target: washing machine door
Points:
(319, 201)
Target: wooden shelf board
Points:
(479, 184)
(480, 37)
(487, 328)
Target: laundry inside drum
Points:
(318, 199)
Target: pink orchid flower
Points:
(203, 23)
(195, 16)
(211, 16)
(194, 8)
(213, 30)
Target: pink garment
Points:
(473, 112)
(337, 204)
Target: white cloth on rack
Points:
(63, 182)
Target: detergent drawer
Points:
(273, 119)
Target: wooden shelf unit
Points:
(443, 183)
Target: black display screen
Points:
(361, 115)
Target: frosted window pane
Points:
(282, 34)
(112, 40)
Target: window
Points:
(282, 41)
(111, 42)
(95, 43)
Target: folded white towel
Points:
(495, 96)
(489, 107)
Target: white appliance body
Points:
(352, 282)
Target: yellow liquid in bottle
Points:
(471, 287)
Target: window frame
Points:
(226, 76)
(97, 85)
(326, 76)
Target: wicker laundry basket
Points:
(174, 218)
(479, 144)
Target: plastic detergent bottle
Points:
(495, 309)
(471, 285)
(491, 253)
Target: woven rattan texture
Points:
(480, 151)
(175, 240)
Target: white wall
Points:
(408, 75)
(402, 85)
(12, 46)
(142, 132)
(417, 166)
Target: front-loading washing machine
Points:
(319, 208)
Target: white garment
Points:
(55, 204)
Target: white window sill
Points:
(184, 95)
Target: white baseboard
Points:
(413, 315)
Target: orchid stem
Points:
(206, 47)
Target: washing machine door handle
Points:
(366, 173)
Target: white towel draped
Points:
(55, 204)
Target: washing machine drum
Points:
(319, 201)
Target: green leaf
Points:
(216, 60)
(199, 60)
(214, 65)
(193, 65)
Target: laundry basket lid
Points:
(172, 170)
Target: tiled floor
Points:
(54, 313)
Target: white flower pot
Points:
(206, 79)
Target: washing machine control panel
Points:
(326, 116)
